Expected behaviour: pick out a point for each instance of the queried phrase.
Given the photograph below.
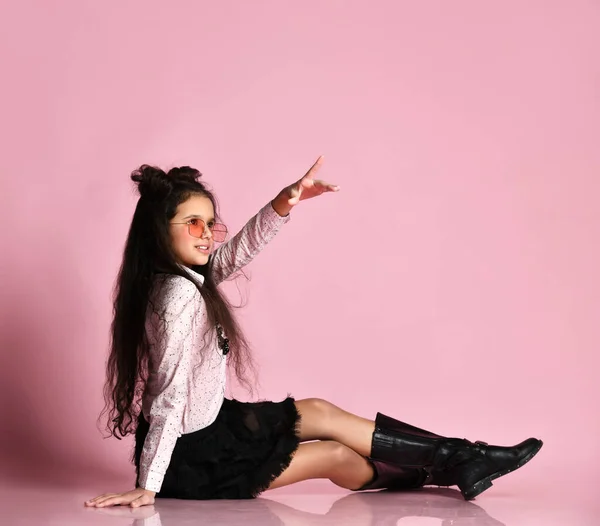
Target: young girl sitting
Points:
(173, 335)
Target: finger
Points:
(97, 499)
(101, 497)
(111, 501)
(313, 169)
(326, 186)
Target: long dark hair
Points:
(147, 253)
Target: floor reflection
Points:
(361, 509)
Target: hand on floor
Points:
(134, 498)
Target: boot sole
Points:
(486, 483)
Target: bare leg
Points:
(321, 420)
(326, 459)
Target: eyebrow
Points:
(196, 216)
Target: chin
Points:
(195, 261)
(201, 260)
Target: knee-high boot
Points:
(404, 456)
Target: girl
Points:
(173, 334)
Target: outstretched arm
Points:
(247, 243)
(253, 237)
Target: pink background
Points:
(453, 282)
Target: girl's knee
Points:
(346, 468)
(339, 454)
(318, 406)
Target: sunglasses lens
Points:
(196, 230)
(219, 232)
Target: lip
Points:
(202, 251)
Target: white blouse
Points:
(186, 381)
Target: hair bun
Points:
(152, 182)
(184, 173)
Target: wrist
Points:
(147, 490)
(281, 205)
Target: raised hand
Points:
(305, 188)
(134, 498)
(308, 186)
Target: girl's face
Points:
(192, 250)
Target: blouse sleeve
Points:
(171, 355)
(247, 243)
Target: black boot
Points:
(392, 476)
(433, 459)
(389, 474)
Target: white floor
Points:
(315, 503)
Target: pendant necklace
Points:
(223, 342)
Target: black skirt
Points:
(236, 457)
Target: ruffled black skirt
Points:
(236, 457)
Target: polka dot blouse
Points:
(187, 369)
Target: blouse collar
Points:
(197, 277)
